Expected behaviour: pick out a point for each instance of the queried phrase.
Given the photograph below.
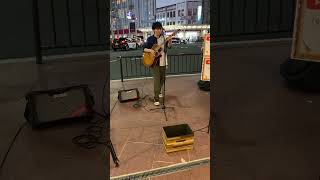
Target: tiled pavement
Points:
(135, 132)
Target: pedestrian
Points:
(159, 68)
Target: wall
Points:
(16, 31)
(85, 29)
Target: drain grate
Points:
(164, 170)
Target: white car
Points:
(132, 44)
(176, 40)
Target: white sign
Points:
(306, 37)
(205, 73)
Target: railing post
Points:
(36, 32)
(121, 70)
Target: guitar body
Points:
(148, 59)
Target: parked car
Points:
(139, 42)
(183, 41)
(133, 44)
(176, 40)
(124, 44)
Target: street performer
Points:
(159, 68)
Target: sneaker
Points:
(156, 103)
(160, 96)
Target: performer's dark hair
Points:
(156, 25)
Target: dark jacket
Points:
(151, 40)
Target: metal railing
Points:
(255, 19)
(133, 67)
(66, 27)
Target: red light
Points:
(123, 41)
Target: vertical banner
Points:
(205, 73)
(306, 37)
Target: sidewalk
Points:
(136, 136)
(48, 154)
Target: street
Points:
(194, 48)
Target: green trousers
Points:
(158, 79)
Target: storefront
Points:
(191, 33)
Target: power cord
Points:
(139, 104)
(93, 135)
(201, 129)
(11, 145)
(208, 126)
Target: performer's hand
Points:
(153, 52)
(170, 43)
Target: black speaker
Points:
(301, 74)
(128, 95)
(50, 107)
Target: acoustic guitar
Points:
(149, 60)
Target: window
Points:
(194, 11)
(174, 23)
(179, 13)
(189, 12)
(171, 14)
(167, 14)
(167, 23)
(182, 12)
(163, 15)
(174, 13)
(189, 21)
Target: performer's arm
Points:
(147, 50)
(169, 42)
(147, 47)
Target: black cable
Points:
(208, 126)
(103, 96)
(93, 135)
(201, 129)
(138, 104)
(10, 146)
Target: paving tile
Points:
(134, 158)
(161, 155)
(198, 173)
(146, 134)
(201, 147)
(142, 128)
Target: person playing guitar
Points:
(158, 69)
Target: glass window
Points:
(189, 12)
(174, 23)
(194, 11)
(167, 14)
(174, 13)
(179, 13)
(171, 14)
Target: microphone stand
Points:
(163, 106)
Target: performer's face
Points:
(157, 31)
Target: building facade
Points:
(206, 12)
(145, 12)
(182, 14)
(179, 12)
(126, 16)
